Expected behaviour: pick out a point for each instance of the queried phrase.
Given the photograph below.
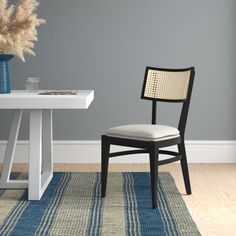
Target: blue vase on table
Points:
(5, 85)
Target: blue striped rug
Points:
(72, 205)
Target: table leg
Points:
(35, 155)
(40, 153)
(47, 151)
(47, 164)
(5, 181)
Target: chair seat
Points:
(144, 132)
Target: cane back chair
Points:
(160, 85)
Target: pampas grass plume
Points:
(18, 27)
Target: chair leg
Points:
(154, 174)
(105, 162)
(184, 166)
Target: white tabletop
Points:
(21, 99)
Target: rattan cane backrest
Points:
(161, 84)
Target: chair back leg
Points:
(153, 156)
(184, 166)
(105, 162)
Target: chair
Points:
(160, 85)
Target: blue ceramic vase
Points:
(5, 85)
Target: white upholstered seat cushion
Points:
(144, 132)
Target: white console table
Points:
(40, 137)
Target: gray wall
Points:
(105, 46)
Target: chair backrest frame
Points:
(186, 101)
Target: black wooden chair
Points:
(162, 85)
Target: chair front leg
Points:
(153, 155)
(184, 166)
(105, 162)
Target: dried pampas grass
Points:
(18, 27)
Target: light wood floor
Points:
(213, 200)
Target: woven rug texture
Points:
(72, 206)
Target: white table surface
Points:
(21, 99)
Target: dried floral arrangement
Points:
(18, 27)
